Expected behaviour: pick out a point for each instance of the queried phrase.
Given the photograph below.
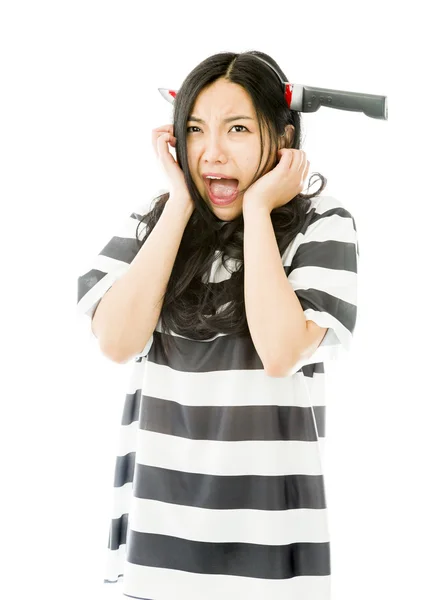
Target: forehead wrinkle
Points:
(226, 120)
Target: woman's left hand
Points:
(281, 184)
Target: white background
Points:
(78, 102)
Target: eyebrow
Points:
(228, 120)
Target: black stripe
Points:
(225, 492)
(180, 417)
(122, 248)
(87, 281)
(131, 409)
(221, 492)
(118, 532)
(313, 216)
(308, 370)
(330, 254)
(343, 311)
(124, 469)
(311, 370)
(229, 558)
(230, 492)
(224, 353)
(228, 423)
(235, 351)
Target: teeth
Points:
(210, 177)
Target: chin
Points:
(226, 215)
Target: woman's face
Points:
(231, 148)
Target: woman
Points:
(229, 305)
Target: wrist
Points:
(181, 209)
(252, 206)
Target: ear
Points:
(286, 139)
(289, 135)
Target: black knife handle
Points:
(370, 104)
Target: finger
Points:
(162, 140)
(303, 161)
(156, 134)
(170, 139)
(285, 155)
(305, 171)
(291, 157)
(163, 149)
(158, 131)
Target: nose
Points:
(214, 149)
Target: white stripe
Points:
(247, 387)
(170, 584)
(321, 204)
(114, 561)
(316, 388)
(136, 372)
(321, 442)
(228, 458)
(121, 500)
(268, 527)
(127, 438)
(339, 283)
(336, 341)
(337, 334)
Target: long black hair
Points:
(193, 306)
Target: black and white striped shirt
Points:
(219, 482)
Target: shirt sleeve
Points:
(322, 269)
(111, 263)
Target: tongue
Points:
(224, 188)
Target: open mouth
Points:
(222, 191)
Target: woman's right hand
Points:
(179, 193)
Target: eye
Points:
(195, 127)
